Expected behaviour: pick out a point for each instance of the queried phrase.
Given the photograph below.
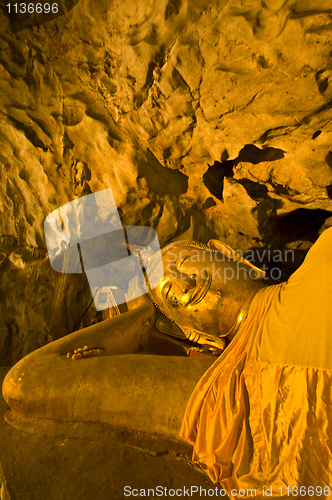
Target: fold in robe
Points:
(261, 416)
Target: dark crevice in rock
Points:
(322, 80)
(158, 62)
(214, 177)
(328, 159)
(263, 63)
(306, 13)
(301, 224)
(256, 190)
(279, 189)
(316, 134)
(149, 74)
(274, 132)
(172, 8)
(307, 119)
(9, 336)
(329, 190)
(114, 133)
(209, 202)
(287, 240)
(255, 155)
(68, 145)
(148, 210)
(141, 96)
(29, 133)
(224, 155)
(167, 153)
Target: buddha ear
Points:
(222, 247)
(167, 326)
(229, 253)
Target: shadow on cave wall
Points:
(288, 238)
(216, 173)
(290, 234)
(162, 181)
(288, 242)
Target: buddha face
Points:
(203, 290)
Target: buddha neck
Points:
(243, 314)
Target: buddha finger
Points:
(85, 352)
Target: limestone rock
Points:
(287, 182)
(4, 494)
(151, 99)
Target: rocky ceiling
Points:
(206, 118)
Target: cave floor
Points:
(44, 460)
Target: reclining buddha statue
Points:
(256, 412)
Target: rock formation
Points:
(207, 119)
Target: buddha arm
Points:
(123, 334)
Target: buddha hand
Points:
(85, 352)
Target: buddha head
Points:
(206, 291)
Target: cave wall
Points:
(207, 119)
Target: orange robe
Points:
(261, 417)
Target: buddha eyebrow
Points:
(187, 257)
